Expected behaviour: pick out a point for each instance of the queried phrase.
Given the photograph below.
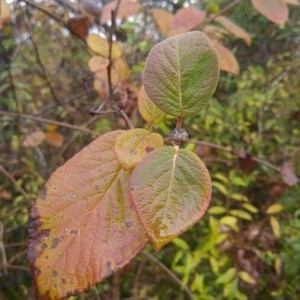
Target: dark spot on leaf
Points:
(46, 257)
(64, 281)
(55, 242)
(74, 231)
(36, 236)
(43, 193)
(128, 224)
(54, 273)
(36, 272)
(148, 149)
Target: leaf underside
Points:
(171, 190)
(83, 226)
(181, 74)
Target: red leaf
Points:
(83, 226)
(185, 20)
(275, 10)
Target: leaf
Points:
(228, 62)
(122, 69)
(100, 46)
(181, 244)
(98, 63)
(288, 174)
(274, 208)
(163, 19)
(148, 110)
(246, 277)
(171, 190)
(241, 214)
(4, 13)
(231, 222)
(132, 145)
(226, 277)
(55, 139)
(185, 19)
(34, 139)
(79, 26)
(234, 29)
(275, 10)
(126, 9)
(216, 210)
(83, 226)
(181, 74)
(250, 207)
(275, 226)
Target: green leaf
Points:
(227, 276)
(132, 145)
(83, 226)
(216, 210)
(149, 111)
(181, 74)
(171, 190)
(241, 214)
(274, 209)
(247, 277)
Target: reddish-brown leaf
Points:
(235, 29)
(228, 62)
(83, 226)
(185, 20)
(127, 8)
(79, 26)
(275, 10)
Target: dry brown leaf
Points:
(228, 62)
(235, 29)
(79, 26)
(163, 19)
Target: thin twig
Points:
(2, 248)
(14, 267)
(228, 149)
(43, 120)
(170, 273)
(14, 182)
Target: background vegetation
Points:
(248, 245)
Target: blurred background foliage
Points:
(248, 244)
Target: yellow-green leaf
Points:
(230, 222)
(241, 214)
(216, 210)
(171, 190)
(250, 207)
(227, 276)
(247, 277)
(132, 145)
(181, 74)
(275, 226)
(149, 111)
(274, 209)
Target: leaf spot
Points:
(128, 224)
(74, 231)
(55, 242)
(73, 196)
(43, 193)
(54, 273)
